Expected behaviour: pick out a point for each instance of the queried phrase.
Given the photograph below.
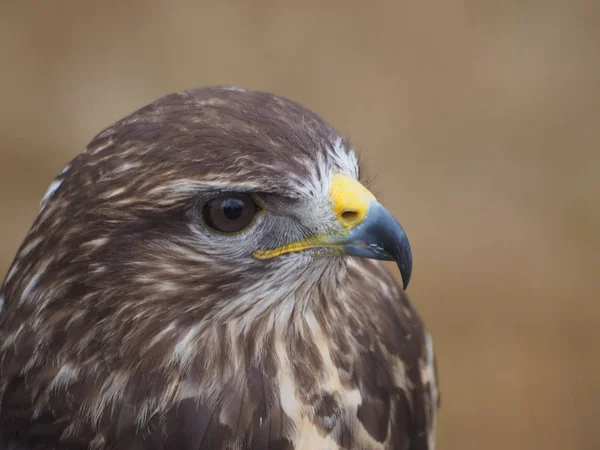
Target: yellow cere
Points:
(350, 202)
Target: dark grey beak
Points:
(380, 236)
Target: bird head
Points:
(203, 197)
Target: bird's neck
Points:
(289, 318)
(284, 296)
(284, 308)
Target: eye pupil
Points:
(229, 213)
(232, 208)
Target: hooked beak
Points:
(380, 236)
(368, 229)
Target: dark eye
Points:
(229, 213)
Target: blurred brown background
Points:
(480, 120)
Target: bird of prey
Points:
(206, 275)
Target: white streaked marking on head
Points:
(102, 147)
(33, 281)
(161, 334)
(11, 272)
(98, 269)
(167, 286)
(1, 302)
(95, 243)
(29, 247)
(190, 186)
(113, 193)
(126, 166)
(336, 158)
(233, 88)
(51, 190)
(211, 102)
(11, 338)
(344, 157)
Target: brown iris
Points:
(229, 213)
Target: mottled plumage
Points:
(125, 323)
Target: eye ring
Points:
(229, 213)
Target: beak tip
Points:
(405, 272)
(404, 260)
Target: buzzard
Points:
(204, 275)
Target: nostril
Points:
(349, 216)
